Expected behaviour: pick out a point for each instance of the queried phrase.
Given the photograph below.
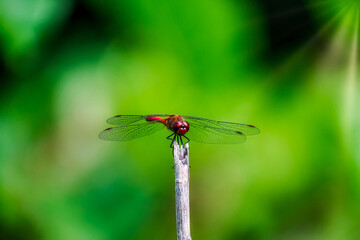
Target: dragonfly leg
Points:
(181, 141)
(188, 140)
(173, 140)
(168, 137)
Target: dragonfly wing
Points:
(207, 134)
(129, 119)
(129, 132)
(237, 127)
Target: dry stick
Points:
(181, 165)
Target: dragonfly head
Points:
(181, 127)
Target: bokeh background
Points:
(288, 67)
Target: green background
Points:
(288, 67)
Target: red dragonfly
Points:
(191, 128)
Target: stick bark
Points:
(182, 176)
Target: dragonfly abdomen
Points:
(157, 119)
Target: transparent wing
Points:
(129, 132)
(207, 134)
(129, 119)
(237, 127)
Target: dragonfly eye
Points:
(181, 131)
(177, 124)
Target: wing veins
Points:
(237, 127)
(128, 132)
(223, 130)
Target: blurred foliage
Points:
(288, 67)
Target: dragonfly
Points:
(196, 129)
